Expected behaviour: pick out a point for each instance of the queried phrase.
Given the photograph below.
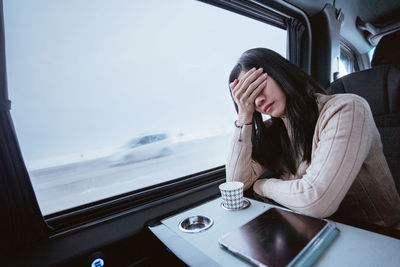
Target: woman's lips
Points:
(268, 107)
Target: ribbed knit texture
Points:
(348, 175)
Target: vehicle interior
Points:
(82, 78)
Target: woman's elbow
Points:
(320, 210)
(314, 213)
(316, 203)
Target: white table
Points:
(353, 246)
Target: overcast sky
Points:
(89, 74)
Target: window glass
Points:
(114, 96)
(345, 64)
(371, 53)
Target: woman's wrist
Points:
(244, 120)
(237, 125)
(240, 125)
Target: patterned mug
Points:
(232, 195)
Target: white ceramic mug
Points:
(232, 195)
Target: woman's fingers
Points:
(233, 84)
(255, 85)
(244, 77)
(246, 90)
(249, 77)
(245, 81)
(252, 97)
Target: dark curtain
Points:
(21, 222)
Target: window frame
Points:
(80, 217)
(93, 225)
(203, 183)
(350, 52)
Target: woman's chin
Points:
(277, 114)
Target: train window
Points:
(371, 53)
(344, 65)
(114, 96)
(347, 62)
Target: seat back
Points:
(387, 51)
(380, 86)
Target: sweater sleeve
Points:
(341, 144)
(240, 166)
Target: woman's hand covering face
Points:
(245, 90)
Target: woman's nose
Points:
(260, 99)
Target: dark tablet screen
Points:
(274, 238)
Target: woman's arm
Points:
(344, 132)
(240, 166)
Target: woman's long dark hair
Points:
(271, 146)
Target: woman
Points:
(324, 151)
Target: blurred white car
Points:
(143, 148)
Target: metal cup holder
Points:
(246, 204)
(195, 224)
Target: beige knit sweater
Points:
(348, 175)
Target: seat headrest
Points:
(380, 86)
(387, 51)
